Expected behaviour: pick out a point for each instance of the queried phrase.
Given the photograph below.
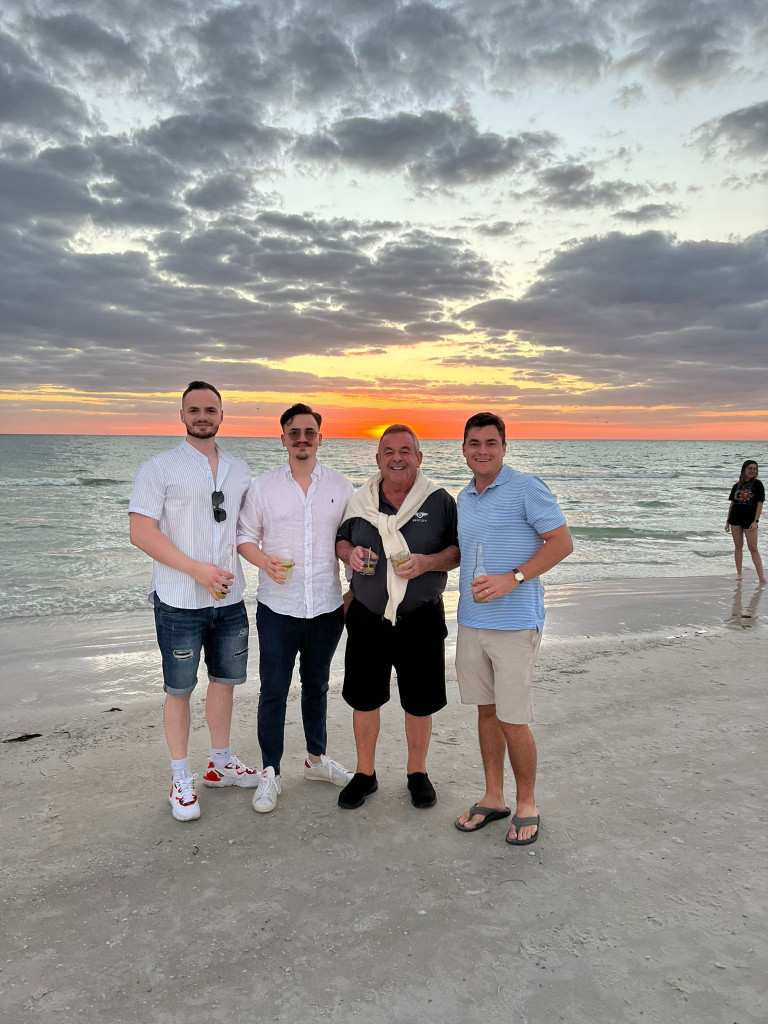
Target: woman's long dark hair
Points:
(742, 478)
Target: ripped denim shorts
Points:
(182, 633)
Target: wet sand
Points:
(645, 898)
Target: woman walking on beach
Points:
(746, 498)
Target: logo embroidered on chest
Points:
(421, 517)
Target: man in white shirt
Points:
(183, 514)
(287, 528)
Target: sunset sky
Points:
(552, 209)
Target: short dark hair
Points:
(400, 428)
(300, 409)
(486, 419)
(200, 385)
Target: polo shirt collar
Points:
(504, 474)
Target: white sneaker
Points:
(183, 799)
(265, 797)
(327, 771)
(233, 773)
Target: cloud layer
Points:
(242, 184)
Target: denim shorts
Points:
(182, 633)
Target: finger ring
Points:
(487, 593)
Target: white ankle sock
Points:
(180, 769)
(221, 757)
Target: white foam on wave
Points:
(66, 481)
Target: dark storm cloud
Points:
(29, 99)
(573, 186)
(217, 193)
(268, 289)
(212, 136)
(500, 227)
(648, 212)
(689, 42)
(631, 307)
(28, 189)
(84, 38)
(433, 146)
(742, 133)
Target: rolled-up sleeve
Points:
(250, 525)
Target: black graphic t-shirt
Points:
(745, 497)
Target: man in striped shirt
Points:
(522, 532)
(183, 514)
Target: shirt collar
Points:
(185, 446)
(314, 475)
(504, 474)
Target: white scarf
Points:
(364, 504)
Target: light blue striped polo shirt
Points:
(508, 517)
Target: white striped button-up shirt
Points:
(278, 517)
(175, 488)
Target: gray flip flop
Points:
(491, 814)
(520, 823)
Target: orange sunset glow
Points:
(556, 219)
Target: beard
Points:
(204, 431)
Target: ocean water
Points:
(635, 509)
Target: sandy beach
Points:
(645, 898)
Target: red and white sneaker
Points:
(183, 799)
(233, 773)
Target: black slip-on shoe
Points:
(356, 790)
(421, 789)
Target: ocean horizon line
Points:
(341, 437)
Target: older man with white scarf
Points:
(396, 618)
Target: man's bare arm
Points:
(557, 546)
(440, 561)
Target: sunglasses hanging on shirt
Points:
(217, 499)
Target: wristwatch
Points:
(518, 576)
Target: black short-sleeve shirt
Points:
(745, 498)
(433, 528)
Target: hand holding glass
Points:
(399, 558)
(287, 563)
(227, 567)
(369, 562)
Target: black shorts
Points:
(414, 647)
(742, 517)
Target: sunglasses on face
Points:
(219, 514)
(294, 434)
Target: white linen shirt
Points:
(278, 517)
(175, 488)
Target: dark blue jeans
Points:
(281, 638)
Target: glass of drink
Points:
(369, 562)
(226, 563)
(287, 562)
(479, 569)
(399, 558)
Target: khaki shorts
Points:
(495, 666)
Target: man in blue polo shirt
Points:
(516, 519)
